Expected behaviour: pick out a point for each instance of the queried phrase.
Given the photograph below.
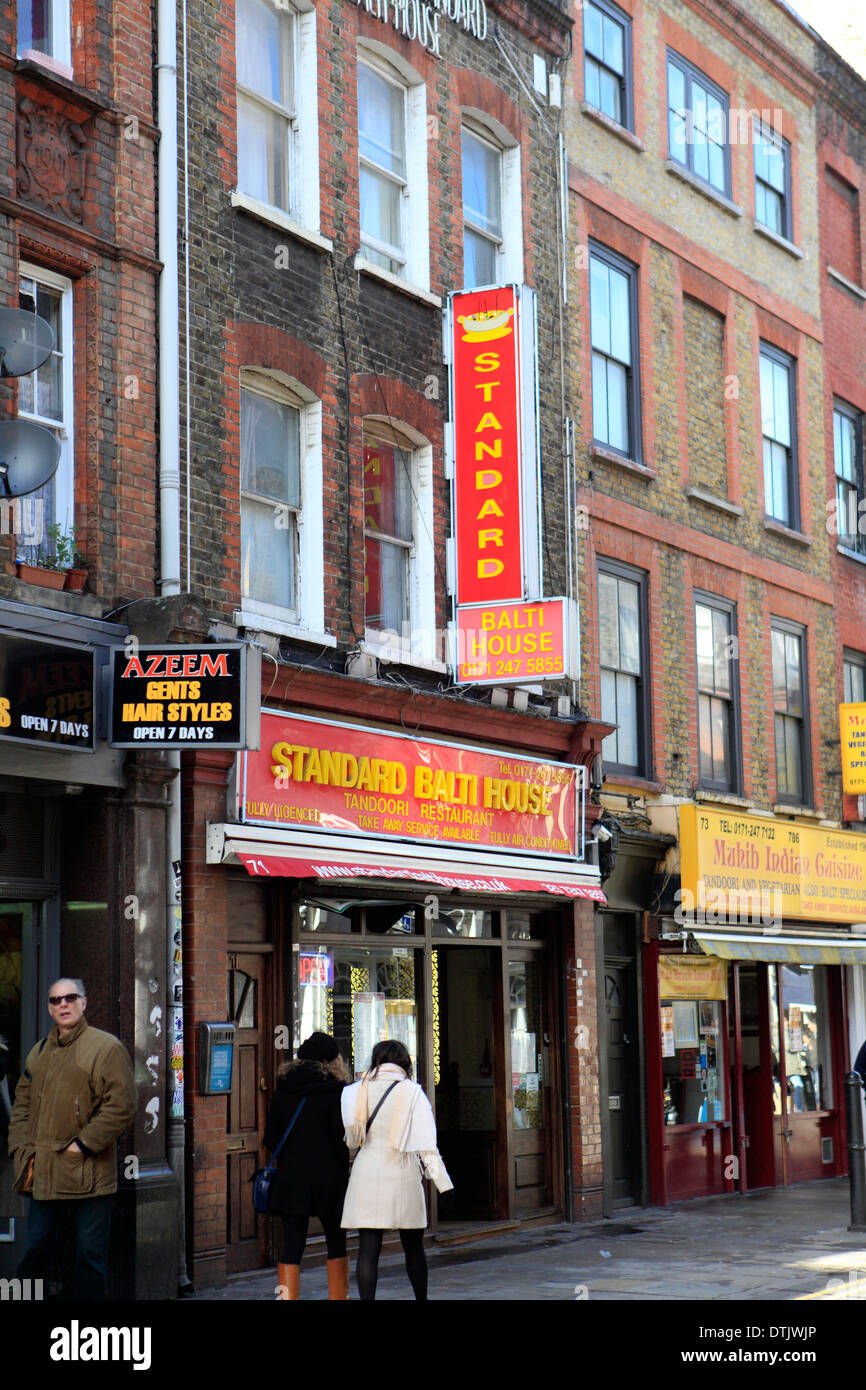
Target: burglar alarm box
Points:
(216, 1055)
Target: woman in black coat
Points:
(313, 1164)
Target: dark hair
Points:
(390, 1051)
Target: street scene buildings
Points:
(459, 411)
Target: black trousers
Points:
(295, 1236)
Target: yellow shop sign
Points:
(736, 865)
(852, 728)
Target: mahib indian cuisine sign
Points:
(733, 864)
(312, 775)
(852, 730)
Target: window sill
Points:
(44, 60)
(782, 242)
(845, 283)
(597, 451)
(628, 137)
(781, 808)
(780, 529)
(257, 622)
(698, 495)
(851, 554)
(623, 779)
(679, 172)
(274, 217)
(404, 286)
(396, 653)
(706, 796)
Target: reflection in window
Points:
(527, 1060)
(807, 1038)
(372, 997)
(692, 1061)
(242, 999)
(463, 921)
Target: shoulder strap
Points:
(288, 1129)
(381, 1103)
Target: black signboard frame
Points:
(161, 671)
(56, 714)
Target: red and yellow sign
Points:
(311, 775)
(741, 866)
(852, 728)
(690, 977)
(512, 642)
(487, 445)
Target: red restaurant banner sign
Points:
(504, 642)
(313, 775)
(485, 364)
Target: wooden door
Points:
(530, 1081)
(248, 996)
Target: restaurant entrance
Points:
(467, 990)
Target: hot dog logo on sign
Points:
(487, 445)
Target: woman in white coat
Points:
(390, 1120)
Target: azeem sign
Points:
(416, 20)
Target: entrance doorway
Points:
(248, 1010)
(28, 966)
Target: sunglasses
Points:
(63, 998)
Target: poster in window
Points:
(368, 1027)
(685, 1023)
(668, 1049)
(707, 1015)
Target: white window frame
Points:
(509, 258)
(415, 195)
(303, 124)
(307, 618)
(60, 56)
(64, 479)
(416, 645)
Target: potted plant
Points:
(61, 565)
(41, 569)
(76, 574)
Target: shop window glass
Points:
(807, 1038)
(693, 1061)
(360, 996)
(464, 922)
(242, 999)
(527, 1046)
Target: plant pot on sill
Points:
(76, 580)
(44, 579)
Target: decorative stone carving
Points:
(50, 160)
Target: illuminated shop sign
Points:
(178, 696)
(316, 968)
(488, 522)
(46, 693)
(312, 775)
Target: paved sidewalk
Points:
(773, 1245)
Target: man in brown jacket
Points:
(75, 1097)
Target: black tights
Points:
(295, 1238)
(367, 1266)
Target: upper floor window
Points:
(697, 123)
(281, 502)
(848, 464)
(482, 210)
(715, 650)
(399, 559)
(392, 155)
(267, 109)
(789, 706)
(607, 60)
(622, 663)
(612, 300)
(854, 675)
(46, 395)
(43, 27)
(777, 426)
(772, 181)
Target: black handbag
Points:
(261, 1179)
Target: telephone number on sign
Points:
(519, 666)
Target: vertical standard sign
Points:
(485, 359)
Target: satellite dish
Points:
(26, 341)
(29, 455)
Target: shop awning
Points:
(273, 854)
(811, 950)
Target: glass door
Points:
(20, 993)
(530, 1081)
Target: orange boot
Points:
(289, 1277)
(338, 1279)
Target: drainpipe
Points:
(169, 576)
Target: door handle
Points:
(263, 1085)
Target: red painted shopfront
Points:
(746, 1060)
